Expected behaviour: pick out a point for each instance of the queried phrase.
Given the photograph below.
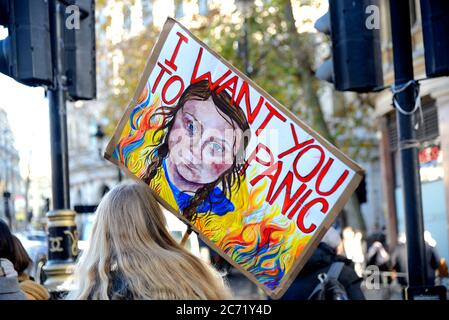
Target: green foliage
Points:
(282, 62)
(270, 55)
(119, 84)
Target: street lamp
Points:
(7, 197)
(99, 136)
(245, 7)
(6, 185)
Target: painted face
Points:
(202, 142)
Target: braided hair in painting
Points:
(233, 114)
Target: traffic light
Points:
(80, 53)
(356, 62)
(25, 54)
(435, 26)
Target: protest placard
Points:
(258, 185)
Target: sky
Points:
(27, 111)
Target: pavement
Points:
(384, 292)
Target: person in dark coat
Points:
(378, 235)
(320, 262)
(22, 262)
(399, 259)
(399, 262)
(9, 283)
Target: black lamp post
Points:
(6, 198)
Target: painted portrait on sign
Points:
(201, 150)
(256, 184)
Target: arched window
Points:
(127, 18)
(179, 9)
(147, 12)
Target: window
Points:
(127, 18)
(412, 6)
(203, 8)
(385, 5)
(147, 12)
(386, 31)
(179, 9)
(427, 131)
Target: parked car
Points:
(36, 244)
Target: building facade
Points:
(11, 184)
(90, 174)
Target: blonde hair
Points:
(129, 236)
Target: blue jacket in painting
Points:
(216, 203)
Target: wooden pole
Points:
(186, 236)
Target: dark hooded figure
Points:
(320, 262)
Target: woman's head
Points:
(22, 260)
(206, 134)
(12, 249)
(205, 141)
(129, 237)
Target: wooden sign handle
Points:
(186, 236)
